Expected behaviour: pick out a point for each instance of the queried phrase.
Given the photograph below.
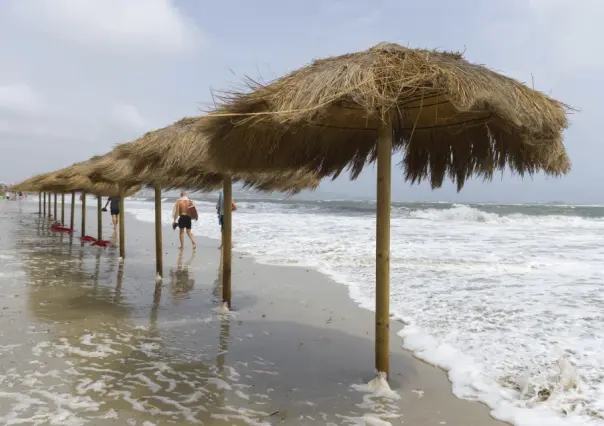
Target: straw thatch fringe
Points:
(451, 119)
(75, 178)
(165, 157)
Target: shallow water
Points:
(507, 298)
(86, 339)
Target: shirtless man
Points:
(181, 216)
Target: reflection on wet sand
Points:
(94, 358)
(118, 284)
(181, 282)
(89, 339)
(113, 239)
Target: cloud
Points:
(78, 76)
(18, 98)
(129, 116)
(139, 26)
(561, 36)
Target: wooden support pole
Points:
(99, 228)
(159, 262)
(39, 203)
(63, 208)
(44, 206)
(227, 241)
(83, 214)
(72, 217)
(49, 205)
(122, 227)
(55, 207)
(382, 246)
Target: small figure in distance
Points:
(115, 209)
(219, 212)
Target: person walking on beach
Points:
(184, 211)
(115, 209)
(219, 211)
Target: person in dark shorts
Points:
(114, 203)
(182, 217)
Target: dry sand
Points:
(92, 340)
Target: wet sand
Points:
(87, 340)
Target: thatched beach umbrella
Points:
(57, 181)
(448, 117)
(78, 179)
(74, 179)
(34, 184)
(130, 163)
(86, 186)
(44, 182)
(30, 184)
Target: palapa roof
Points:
(75, 178)
(31, 184)
(162, 156)
(451, 118)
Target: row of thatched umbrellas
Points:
(447, 116)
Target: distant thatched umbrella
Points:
(77, 176)
(163, 155)
(125, 165)
(32, 185)
(75, 179)
(149, 160)
(450, 118)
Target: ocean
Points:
(509, 299)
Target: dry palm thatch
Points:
(78, 169)
(32, 184)
(74, 178)
(83, 183)
(111, 169)
(157, 149)
(288, 182)
(161, 156)
(450, 118)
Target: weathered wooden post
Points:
(99, 228)
(122, 227)
(72, 218)
(382, 246)
(63, 208)
(83, 214)
(227, 241)
(159, 262)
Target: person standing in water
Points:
(219, 205)
(183, 208)
(115, 209)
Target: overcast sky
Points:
(78, 76)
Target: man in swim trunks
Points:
(182, 217)
(115, 209)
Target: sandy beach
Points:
(86, 340)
